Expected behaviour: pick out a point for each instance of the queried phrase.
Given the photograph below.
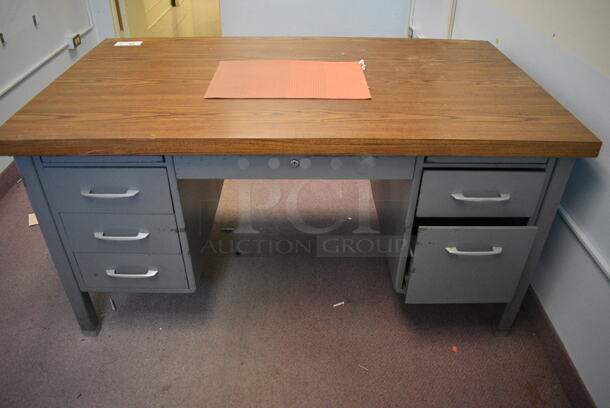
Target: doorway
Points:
(167, 18)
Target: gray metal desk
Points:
(468, 157)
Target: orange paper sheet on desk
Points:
(288, 79)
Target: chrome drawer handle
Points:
(494, 251)
(462, 197)
(139, 237)
(149, 274)
(132, 192)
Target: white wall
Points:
(574, 291)
(27, 45)
(580, 26)
(336, 18)
(103, 18)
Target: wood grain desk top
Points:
(430, 97)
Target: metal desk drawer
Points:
(447, 268)
(294, 167)
(109, 190)
(122, 233)
(101, 159)
(465, 193)
(132, 272)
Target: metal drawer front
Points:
(101, 159)
(464, 193)
(109, 190)
(122, 233)
(486, 160)
(294, 167)
(135, 272)
(468, 264)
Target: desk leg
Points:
(80, 301)
(548, 210)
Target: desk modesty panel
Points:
(124, 162)
(429, 97)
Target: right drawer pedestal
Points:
(474, 230)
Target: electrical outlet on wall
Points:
(73, 41)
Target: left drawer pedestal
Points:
(118, 226)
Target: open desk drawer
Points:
(467, 264)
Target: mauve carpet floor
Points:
(260, 332)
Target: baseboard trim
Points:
(570, 380)
(8, 178)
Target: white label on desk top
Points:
(128, 43)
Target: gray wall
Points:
(335, 18)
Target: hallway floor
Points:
(260, 332)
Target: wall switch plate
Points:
(73, 41)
